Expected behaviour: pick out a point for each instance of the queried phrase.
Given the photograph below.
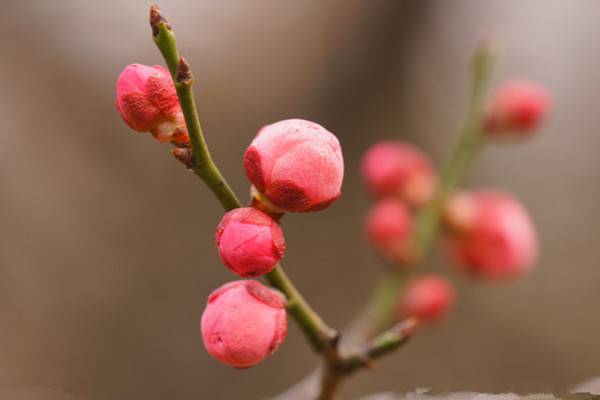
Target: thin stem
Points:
(379, 346)
(383, 300)
(321, 336)
(202, 165)
(428, 218)
(365, 356)
(427, 221)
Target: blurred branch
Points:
(379, 346)
(427, 222)
(380, 309)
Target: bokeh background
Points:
(106, 243)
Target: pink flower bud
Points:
(389, 227)
(147, 102)
(394, 168)
(250, 242)
(296, 164)
(243, 323)
(518, 106)
(490, 235)
(428, 298)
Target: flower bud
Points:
(243, 323)
(296, 164)
(518, 107)
(428, 298)
(250, 242)
(389, 227)
(490, 235)
(395, 168)
(147, 102)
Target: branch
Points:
(427, 222)
(379, 346)
(320, 335)
(365, 356)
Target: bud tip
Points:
(184, 73)
(156, 18)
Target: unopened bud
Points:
(395, 168)
(250, 242)
(490, 235)
(428, 298)
(147, 102)
(517, 107)
(296, 164)
(389, 228)
(243, 323)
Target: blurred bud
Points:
(518, 106)
(389, 227)
(250, 242)
(428, 298)
(296, 164)
(243, 323)
(394, 168)
(147, 102)
(490, 235)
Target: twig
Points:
(320, 335)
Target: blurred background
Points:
(106, 243)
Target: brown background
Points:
(106, 243)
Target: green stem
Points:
(318, 332)
(379, 346)
(203, 165)
(320, 335)
(427, 221)
(383, 300)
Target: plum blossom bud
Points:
(250, 242)
(296, 164)
(428, 298)
(389, 227)
(490, 235)
(395, 168)
(147, 102)
(243, 323)
(517, 106)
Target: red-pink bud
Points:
(428, 298)
(250, 242)
(243, 323)
(296, 164)
(389, 227)
(395, 168)
(517, 106)
(147, 102)
(490, 235)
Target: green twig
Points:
(427, 221)
(365, 356)
(380, 309)
(321, 336)
(379, 346)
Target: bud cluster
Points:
(487, 234)
(293, 165)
